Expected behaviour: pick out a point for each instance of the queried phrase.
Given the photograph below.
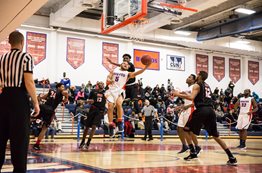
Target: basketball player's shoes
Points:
(191, 156)
(184, 149)
(82, 144)
(36, 147)
(198, 149)
(242, 146)
(120, 127)
(112, 130)
(232, 161)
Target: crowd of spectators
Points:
(163, 102)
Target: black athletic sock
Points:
(241, 141)
(88, 142)
(229, 154)
(192, 149)
(244, 142)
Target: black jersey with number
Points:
(203, 98)
(99, 99)
(54, 98)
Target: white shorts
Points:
(183, 117)
(243, 121)
(112, 95)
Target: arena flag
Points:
(109, 50)
(234, 69)
(218, 68)
(253, 71)
(36, 46)
(201, 63)
(175, 62)
(75, 52)
(154, 55)
(4, 46)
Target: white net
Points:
(136, 29)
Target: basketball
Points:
(146, 59)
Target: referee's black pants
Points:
(148, 126)
(14, 125)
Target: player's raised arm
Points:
(111, 62)
(134, 74)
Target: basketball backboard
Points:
(119, 13)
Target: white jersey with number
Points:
(117, 87)
(244, 120)
(184, 115)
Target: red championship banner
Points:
(218, 68)
(75, 52)
(154, 55)
(201, 63)
(253, 71)
(110, 51)
(234, 69)
(36, 46)
(4, 47)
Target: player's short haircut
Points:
(59, 85)
(15, 38)
(129, 56)
(204, 75)
(194, 76)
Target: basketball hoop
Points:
(136, 29)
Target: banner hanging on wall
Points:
(154, 55)
(36, 46)
(4, 46)
(218, 68)
(253, 71)
(109, 50)
(201, 63)
(75, 52)
(234, 69)
(175, 62)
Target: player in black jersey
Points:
(96, 113)
(47, 110)
(203, 116)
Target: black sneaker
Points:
(242, 147)
(150, 139)
(82, 144)
(111, 130)
(36, 147)
(184, 149)
(198, 149)
(190, 157)
(144, 139)
(232, 161)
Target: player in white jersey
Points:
(184, 115)
(115, 94)
(247, 106)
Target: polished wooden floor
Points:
(139, 156)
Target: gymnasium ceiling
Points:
(211, 14)
(208, 18)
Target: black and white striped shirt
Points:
(13, 65)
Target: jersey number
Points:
(116, 78)
(99, 99)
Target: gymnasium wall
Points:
(55, 63)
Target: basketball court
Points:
(138, 156)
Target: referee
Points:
(16, 82)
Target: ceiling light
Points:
(186, 33)
(245, 11)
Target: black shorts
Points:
(131, 91)
(46, 114)
(203, 118)
(94, 117)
